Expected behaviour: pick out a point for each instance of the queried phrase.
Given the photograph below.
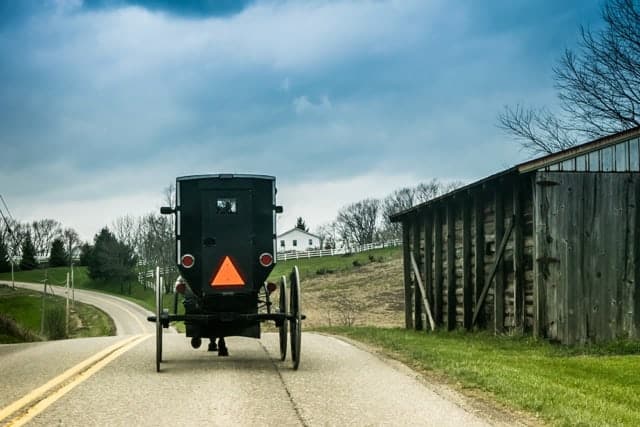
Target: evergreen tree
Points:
(28, 261)
(85, 254)
(111, 259)
(58, 256)
(5, 263)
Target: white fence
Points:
(284, 256)
(147, 279)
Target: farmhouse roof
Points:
(300, 230)
(529, 166)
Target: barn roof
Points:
(532, 165)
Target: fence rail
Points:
(285, 256)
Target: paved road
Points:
(337, 383)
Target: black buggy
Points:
(225, 245)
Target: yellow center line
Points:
(80, 370)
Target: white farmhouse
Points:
(298, 240)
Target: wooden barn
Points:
(550, 247)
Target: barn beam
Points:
(494, 271)
(408, 309)
(428, 256)
(437, 267)
(467, 289)
(416, 255)
(451, 266)
(478, 224)
(518, 258)
(498, 294)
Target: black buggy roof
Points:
(225, 176)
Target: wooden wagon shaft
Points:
(483, 295)
(425, 299)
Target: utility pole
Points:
(44, 294)
(11, 233)
(67, 308)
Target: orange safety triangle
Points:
(227, 275)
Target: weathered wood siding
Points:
(455, 241)
(587, 254)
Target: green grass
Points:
(310, 267)
(590, 386)
(24, 307)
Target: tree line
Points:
(32, 241)
(367, 221)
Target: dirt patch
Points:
(370, 295)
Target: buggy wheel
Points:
(158, 320)
(296, 317)
(283, 310)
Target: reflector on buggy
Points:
(225, 250)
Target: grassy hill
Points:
(359, 289)
(21, 315)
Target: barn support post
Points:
(636, 263)
(538, 236)
(437, 268)
(467, 288)
(408, 309)
(498, 293)
(417, 292)
(518, 258)
(478, 225)
(451, 266)
(428, 255)
(492, 275)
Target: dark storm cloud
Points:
(185, 8)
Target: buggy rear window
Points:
(226, 206)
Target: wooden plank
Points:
(478, 225)
(408, 310)
(437, 267)
(418, 325)
(494, 270)
(539, 221)
(467, 289)
(498, 292)
(636, 261)
(451, 266)
(518, 257)
(425, 300)
(428, 255)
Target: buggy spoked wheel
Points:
(283, 310)
(296, 317)
(158, 321)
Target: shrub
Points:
(55, 327)
(356, 263)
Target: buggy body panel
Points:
(225, 222)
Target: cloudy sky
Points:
(103, 103)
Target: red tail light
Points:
(188, 260)
(266, 259)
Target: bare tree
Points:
(13, 234)
(125, 229)
(399, 200)
(328, 234)
(357, 223)
(155, 243)
(598, 87)
(405, 198)
(43, 233)
(71, 241)
(426, 191)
